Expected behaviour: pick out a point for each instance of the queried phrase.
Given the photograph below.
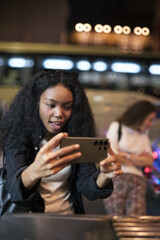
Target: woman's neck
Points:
(48, 137)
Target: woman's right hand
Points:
(48, 162)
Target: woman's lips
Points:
(56, 125)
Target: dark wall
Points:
(113, 12)
(42, 21)
(50, 21)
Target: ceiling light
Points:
(83, 65)
(58, 64)
(79, 27)
(20, 63)
(98, 28)
(99, 66)
(126, 67)
(118, 29)
(154, 69)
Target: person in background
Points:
(129, 139)
(40, 175)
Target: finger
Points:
(118, 172)
(110, 175)
(108, 161)
(63, 151)
(53, 170)
(65, 160)
(59, 168)
(110, 165)
(110, 151)
(54, 142)
(110, 168)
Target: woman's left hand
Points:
(109, 167)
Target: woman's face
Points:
(55, 109)
(148, 122)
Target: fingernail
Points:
(102, 163)
(77, 145)
(79, 154)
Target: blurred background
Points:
(114, 46)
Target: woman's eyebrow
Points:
(51, 99)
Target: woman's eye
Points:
(68, 107)
(50, 105)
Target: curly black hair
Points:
(22, 118)
(135, 115)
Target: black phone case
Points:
(93, 149)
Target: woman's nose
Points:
(58, 112)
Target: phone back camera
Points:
(95, 142)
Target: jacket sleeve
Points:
(86, 183)
(16, 161)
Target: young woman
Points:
(40, 174)
(129, 139)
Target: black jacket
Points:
(82, 181)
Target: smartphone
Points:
(93, 149)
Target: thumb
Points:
(110, 151)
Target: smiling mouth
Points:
(56, 125)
